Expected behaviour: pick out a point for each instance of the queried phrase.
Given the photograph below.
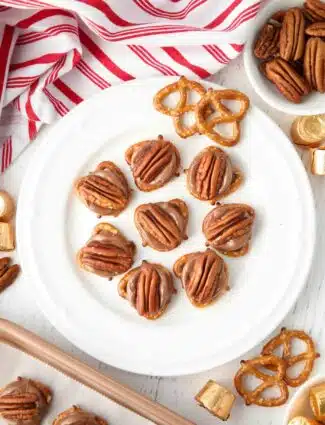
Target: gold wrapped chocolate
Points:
(308, 131)
(317, 401)
(216, 399)
(317, 161)
(302, 420)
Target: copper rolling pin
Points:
(26, 341)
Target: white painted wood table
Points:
(18, 303)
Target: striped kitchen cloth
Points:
(57, 53)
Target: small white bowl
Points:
(299, 403)
(312, 104)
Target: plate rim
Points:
(46, 305)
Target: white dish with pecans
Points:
(53, 225)
(310, 104)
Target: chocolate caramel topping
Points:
(204, 276)
(77, 416)
(228, 228)
(148, 288)
(162, 225)
(210, 175)
(153, 163)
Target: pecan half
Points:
(107, 253)
(24, 401)
(104, 191)
(148, 288)
(153, 163)
(204, 276)
(316, 9)
(292, 35)
(162, 225)
(267, 43)
(77, 416)
(8, 273)
(292, 85)
(314, 63)
(211, 175)
(317, 29)
(228, 228)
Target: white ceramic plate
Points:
(53, 224)
(312, 104)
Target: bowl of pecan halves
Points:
(285, 56)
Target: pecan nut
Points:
(148, 288)
(204, 276)
(228, 228)
(287, 80)
(77, 416)
(8, 273)
(292, 35)
(316, 9)
(104, 191)
(107, 253)
(24, 401)
(153, 163)
(162, 225)
(211, 175)
(267, 43)
(314, 63)
(317, 29)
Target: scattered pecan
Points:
(153, 163)
(77, 416)
(8, 273)
(24, 401)
(267, 43)
(204, 276)
(162, 225)
(228, 228)
(148, 288)
(317, 29)
(292, 85)
(211, 175)
(292, 35)
(316, 9)
(314, 63)
(104, 191)
(107, 253)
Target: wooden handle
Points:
(33, 345)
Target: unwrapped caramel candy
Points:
(308, 131)
(7, 239)
(302, 420)
(317, 401)
(318, 161)
(216, 399)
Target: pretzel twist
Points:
(250, 367)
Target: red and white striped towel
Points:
(57, 53)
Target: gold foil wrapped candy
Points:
(317, 401)
(308, 131)
(216, 399)
(317, 161)
(302, 420)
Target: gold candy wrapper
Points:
(302, 420)
(216, 399)
(318, 161)
(308, 131)
(317, 401)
